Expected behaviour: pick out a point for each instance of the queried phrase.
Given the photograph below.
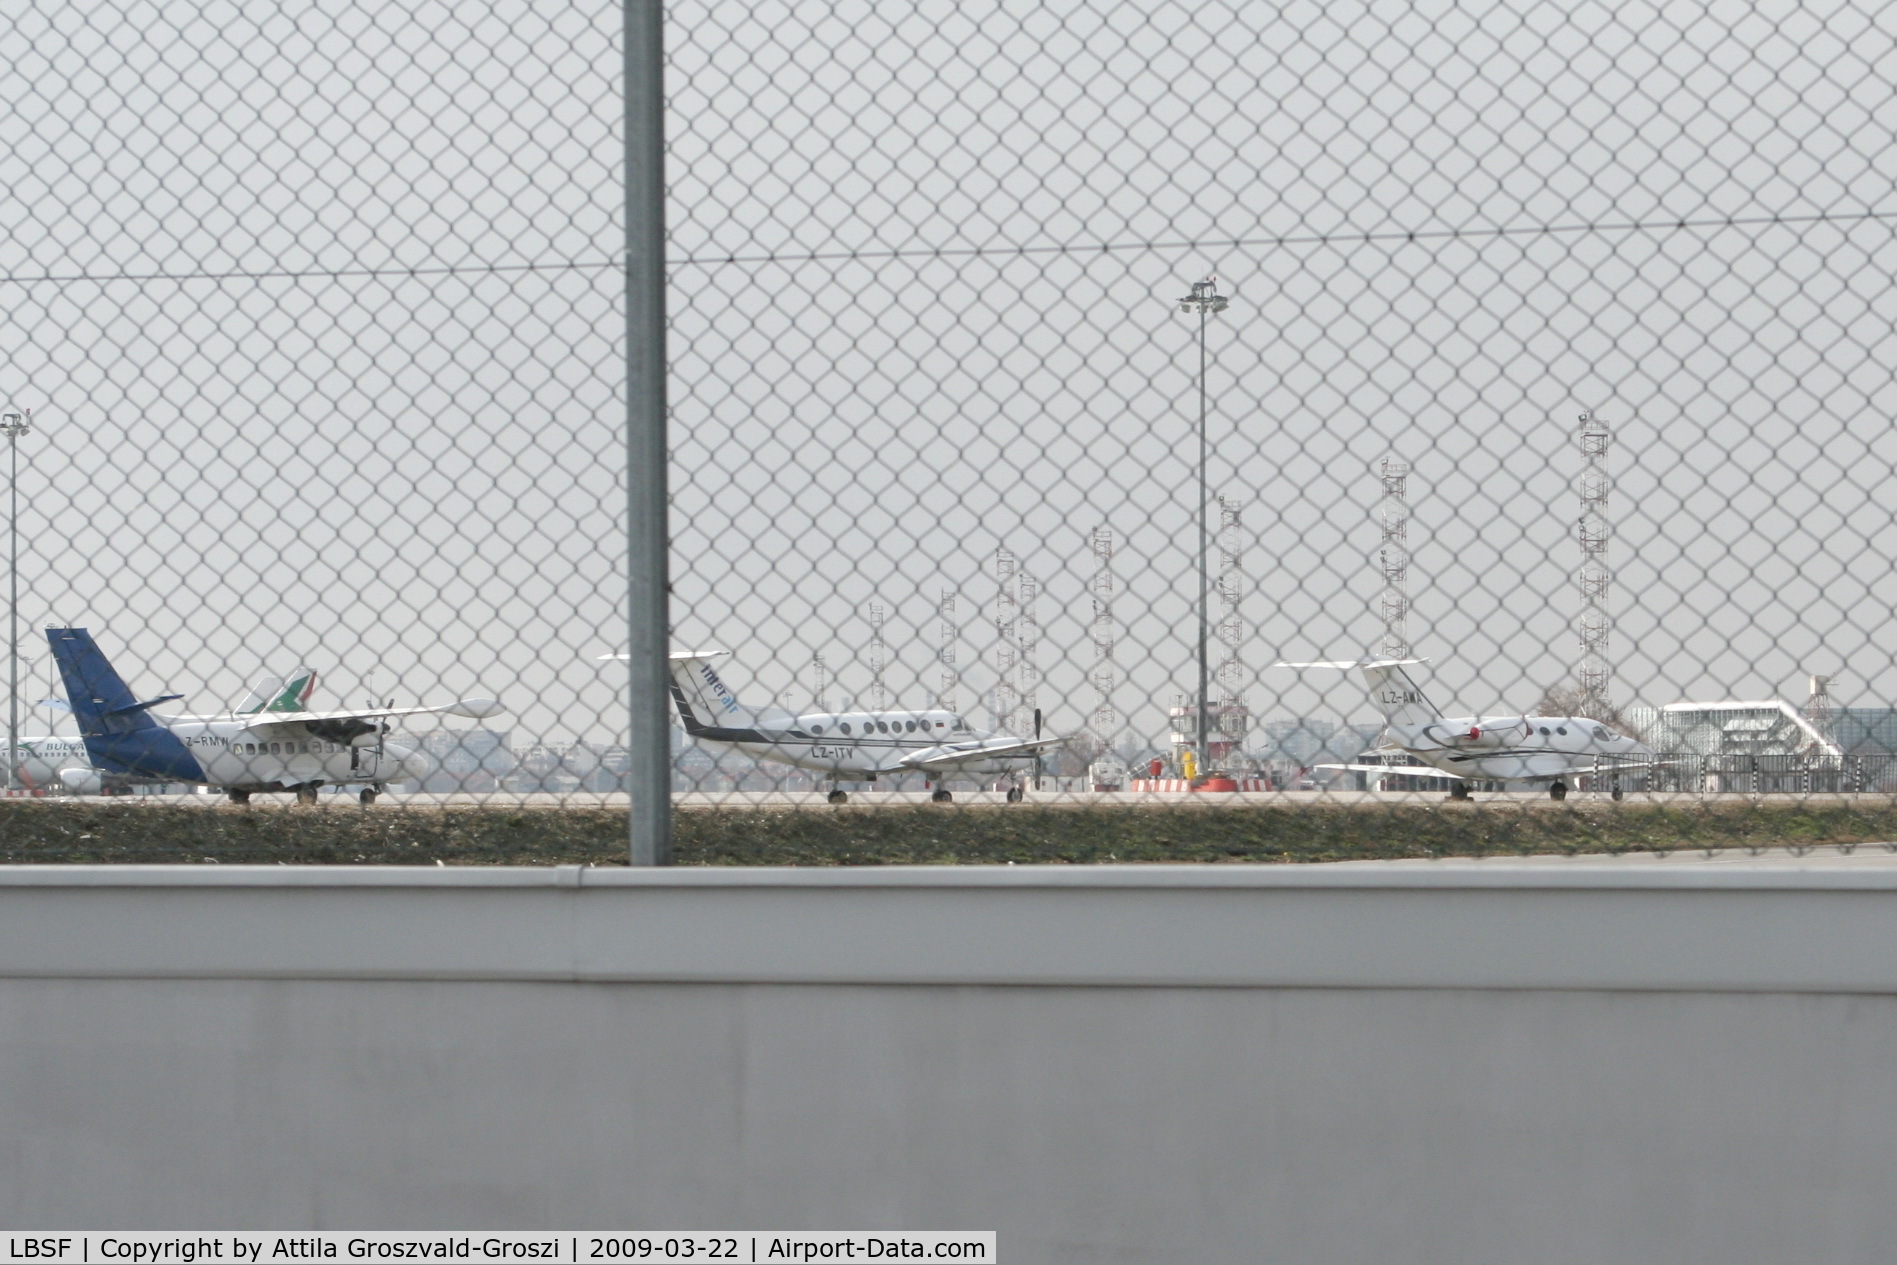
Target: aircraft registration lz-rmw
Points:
(267, 750)
(56, 762)
(1544, 750)
(848, 746)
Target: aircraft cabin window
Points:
(846, 726)
(1544, 731)
(909, 725)
(1562, 731)
(816, 729)
(881, 727)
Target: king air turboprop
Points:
(1540, 750)
(849, 745)
(268, 750)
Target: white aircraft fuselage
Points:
(847, 745)
(235, 754)
(1546, 750)
(1515, 748)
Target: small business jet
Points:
(851, 745)
(271, 749)
(1532, 749)
(54, 761)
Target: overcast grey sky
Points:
(316, 304)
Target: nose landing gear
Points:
(1558, 791)
(1459, 790)
(240, 797)
(367, 797)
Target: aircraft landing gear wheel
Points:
(1014, 794)
(1558, 792)
(1616, 792)
(306, 795)
(940, 796)
(240, 797)
(839, 797)
(367, 797)
(1458, 790)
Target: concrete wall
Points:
(1483, 1063)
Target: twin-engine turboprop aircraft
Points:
(846, 746)
(1546, 750)
(277, 747)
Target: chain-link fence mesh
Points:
(319, 308)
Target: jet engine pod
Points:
(1467, 735)
(82, 781)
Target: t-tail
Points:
(1400, 699)
(705, 703)
(101, 701)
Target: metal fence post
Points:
(650, 779)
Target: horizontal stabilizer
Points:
(147, 705)
(1352, 663)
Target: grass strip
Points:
(101, 831)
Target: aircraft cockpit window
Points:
(1601, 732)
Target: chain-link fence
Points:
(321, 312)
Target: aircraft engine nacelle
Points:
(1472, 735)
(82, 781)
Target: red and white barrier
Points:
(1163, 785)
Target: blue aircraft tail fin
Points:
(100, 699)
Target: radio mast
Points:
(1231, 673)
(945, 694)
(1029, 635)
(877, 698)
(1596, 673)
(1007, 610)
(1394, 557)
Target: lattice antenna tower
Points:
(878, 655)
(822, 672)
(945, 694)
(1007, 653)
(1029, 635)
(1596, 674)
(1231, 673)
(1103, 637)
(1394, 559)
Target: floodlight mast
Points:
(1205, 300)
